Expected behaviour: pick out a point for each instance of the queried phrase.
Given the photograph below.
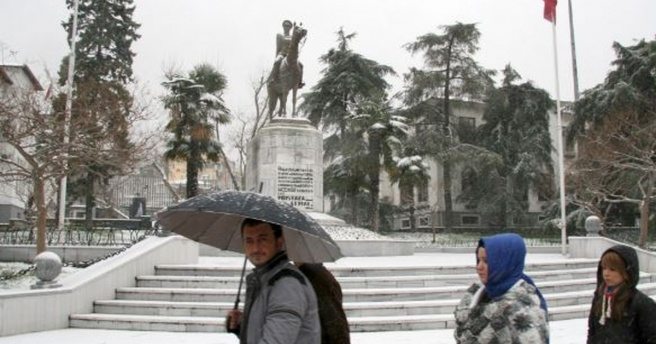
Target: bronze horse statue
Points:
(288, 78)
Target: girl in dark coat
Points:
(620, 313)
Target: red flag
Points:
(550, 10)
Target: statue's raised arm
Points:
(287, 71)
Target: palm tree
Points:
(195, 103)
(410, 171)
(380, 133)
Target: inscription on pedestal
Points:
(296, 186)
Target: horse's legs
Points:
(272, 104)
(283, 104)
(294, 89)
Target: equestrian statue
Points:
(287, 71)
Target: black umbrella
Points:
(215, 220)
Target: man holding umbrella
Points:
(281, 305)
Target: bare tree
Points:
(617, 164)
(40, 156)
(248, 126)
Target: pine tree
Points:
(516, 129)
(349, 79)
(451, 72)
(102, 103)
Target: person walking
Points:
(620, 313)
(505, 306)
(280, 305)
(334, 325)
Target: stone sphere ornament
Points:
(48, 267)
(593, 225)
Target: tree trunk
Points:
(413, 220)
(354, 208)
(89, 200)
(232, 175)
(41, 213)
(448, 201)
(192, 172)
(644, 221)
(510, 192)
(375, 205)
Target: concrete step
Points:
(147, 323)
(219, 309)
(173, 281)
(356, 323)
(383, 271)
(350, 294)
(195, 298)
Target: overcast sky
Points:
(238, 36)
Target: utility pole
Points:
(67, 118)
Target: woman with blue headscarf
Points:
(506, 306)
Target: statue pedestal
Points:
(285, 161)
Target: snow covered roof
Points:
(9, 72)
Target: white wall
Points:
(41, 310)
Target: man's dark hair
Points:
(277, 229)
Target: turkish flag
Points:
(550, 10)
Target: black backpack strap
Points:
(287, 273)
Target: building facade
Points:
(14, 193)
(429, 200)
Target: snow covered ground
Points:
(562, 332)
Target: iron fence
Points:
(76, 233)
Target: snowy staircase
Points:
(195, 298)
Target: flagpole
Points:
(67, 119)
(561, 160)
(575, 70)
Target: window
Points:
(422, 193)
(467, 179)
(407, 194)
(405, 223)
(425, 221)
(470, 220)
(467, 121)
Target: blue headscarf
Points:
(505, 264)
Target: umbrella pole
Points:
(241, 281)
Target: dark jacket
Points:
(509, 307)
(334, 326)
(280, 307)
(638, 323)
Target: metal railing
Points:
(104, 232)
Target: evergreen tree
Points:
(349, 79)
(516, 129)
(451, 72)
(195, 104)
(102, 103)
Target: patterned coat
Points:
(514, 317)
